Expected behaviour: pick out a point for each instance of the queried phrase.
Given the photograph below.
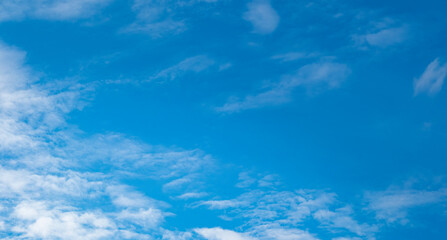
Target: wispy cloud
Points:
(194, 64)
(431, 81)
(385, 37)
(340, 218)
(270, 214)
(155, 19)
(292, 56)
(393, 205)
(380, 32)
(275, 214)
(49, 9)
(159, 18)
(328, 75)
(262, 16)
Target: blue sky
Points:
(223, 119)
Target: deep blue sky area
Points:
(223, 119)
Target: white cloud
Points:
(123, 196)
(223, 204)
(155, 18)
(138, 159)
(57, 193)
(194, 64)
(288, 234)
(245, 180)
(218, 233)
(327, 75)
(262, 16)
(341, 218)
(159, 18)
(275, 214)
(53, 195)
(192, 195)
(393, 205)
(386, 37)
(38, 220)
(25, 184)
(49, 9)
(174, 235)
(29, 110)
(376, 32)
(346, 238)
(431, 81)
(292, 56)
(146, 218)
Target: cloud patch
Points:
(393, 205)
(194, 64)
(432, 79)
(49, 9)
(262, 16)
(326, 75)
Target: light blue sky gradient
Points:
(223, 119)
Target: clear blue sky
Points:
(223, 119)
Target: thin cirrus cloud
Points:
(263, 210)
(194, 64)
(49, 9)
(329, 75)
(160, 18)
(262, 16)
(153, 18)
(292, 56)
(393, 205)
(432, 79)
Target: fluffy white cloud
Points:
(288, 234)
(262, 16)
(431, 81)
(26, 184)
(221, 234)
(38, 220)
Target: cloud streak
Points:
(194, 64)
(432, 79)
(327, 75)
(393, 205)
(161, 18)
(49, 9)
